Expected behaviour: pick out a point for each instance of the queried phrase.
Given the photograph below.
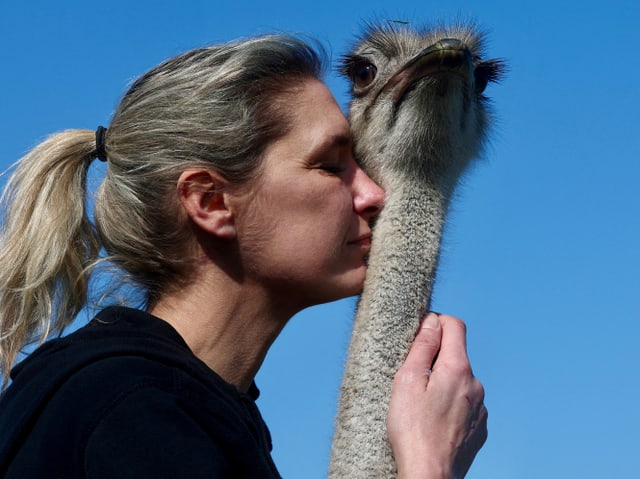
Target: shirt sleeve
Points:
(147, 434)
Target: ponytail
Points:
(47, 243)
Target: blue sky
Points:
(540, 255)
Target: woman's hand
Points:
(437, 420)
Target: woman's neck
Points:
(229, 326)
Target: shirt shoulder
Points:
(150, 431)
(170, 427)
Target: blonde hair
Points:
(215, 107)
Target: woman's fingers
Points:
(437, 422)
(453, 347)
(425, 346)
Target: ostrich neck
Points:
(400, 277)
(404, 256)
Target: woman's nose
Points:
(368, 197)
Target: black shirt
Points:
(124, 397)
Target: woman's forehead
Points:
(316, 112)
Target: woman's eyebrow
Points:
(331, 142)
(337, 140)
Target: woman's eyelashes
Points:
(333, 169)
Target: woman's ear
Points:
(202, 194)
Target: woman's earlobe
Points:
(201, 193)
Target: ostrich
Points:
(418, 117)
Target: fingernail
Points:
(432, 320)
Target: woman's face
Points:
(303, 228)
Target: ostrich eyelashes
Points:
(488, 71)
(360, 71)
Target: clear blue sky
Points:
(541, 253)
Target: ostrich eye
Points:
(488, 71)
(362, 74)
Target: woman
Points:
(232, 200)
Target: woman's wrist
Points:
(422, 470)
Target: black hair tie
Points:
(101, 151)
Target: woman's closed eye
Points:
(333, 169)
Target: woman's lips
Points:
(363, 241)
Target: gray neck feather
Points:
(396, 294)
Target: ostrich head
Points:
(418, 111)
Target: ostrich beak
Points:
(448, 55)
